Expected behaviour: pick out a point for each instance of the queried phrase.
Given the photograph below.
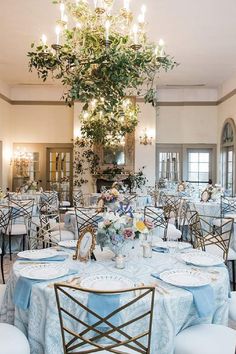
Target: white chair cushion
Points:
(173, 233)
(213, 249)
(231, 215)
(232, 306)
(206, 339)
(17, 229)
(64, 235)
(12, 340)
(65, 203)
(2, 292)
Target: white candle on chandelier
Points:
(135, 32)
(58, 31)
(44, 39)
(107, 28)
(98, 4)
(62, 10)
(161, 47)
(141, 17)
(126, 5)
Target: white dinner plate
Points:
(200, 258)
(37, 254)
(172, 244)
(107, 282)
(185, 277)
(68, 243)
(43, 271)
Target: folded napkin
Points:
(57, 258)
(203, 298)
(23, 288)
(160, 249)
(103, 305)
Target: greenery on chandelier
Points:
(100, 58)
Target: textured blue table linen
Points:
(22, 291)
(203, 298)
(103, 305)
(161, 249)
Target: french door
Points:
(59, 171)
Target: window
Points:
(195, 163)
(169, 165)
(227, 157)
(199, 169)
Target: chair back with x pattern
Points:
(78, 199)
(121, 330)
(5, 216)
(228, 205)
(49, 232)
(21, 211)
(158, 216)
(87, 217)
(174, 203)
(129, 197)
(49, 202)
(211, 233)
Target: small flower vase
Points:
(116, 249)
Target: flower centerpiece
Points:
(109, 199)
(115, 231)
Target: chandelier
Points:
(22, 160)
(102, 57)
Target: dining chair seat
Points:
(2, 292)
(64, 203)
(12, 340)
(63, 235)
(172, 232)
(17, 229)
(206, 339)
(232, 306)
(213, 249)
(231, 215)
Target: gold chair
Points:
(20, 220)
(79, 335)
(87, 217)
(213, 234)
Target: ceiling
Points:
(200, 34)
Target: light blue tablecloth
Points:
(174, 309)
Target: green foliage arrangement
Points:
(108, 70)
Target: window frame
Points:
(183, 150)
(225, 148)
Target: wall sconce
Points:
(145, 138)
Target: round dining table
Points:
(174, 308)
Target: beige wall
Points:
(55, 124)
(6, 139)
(31, 124)
(42, 124)
(174, 125)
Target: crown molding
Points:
(141, 100)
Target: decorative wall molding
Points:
(141, 100)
